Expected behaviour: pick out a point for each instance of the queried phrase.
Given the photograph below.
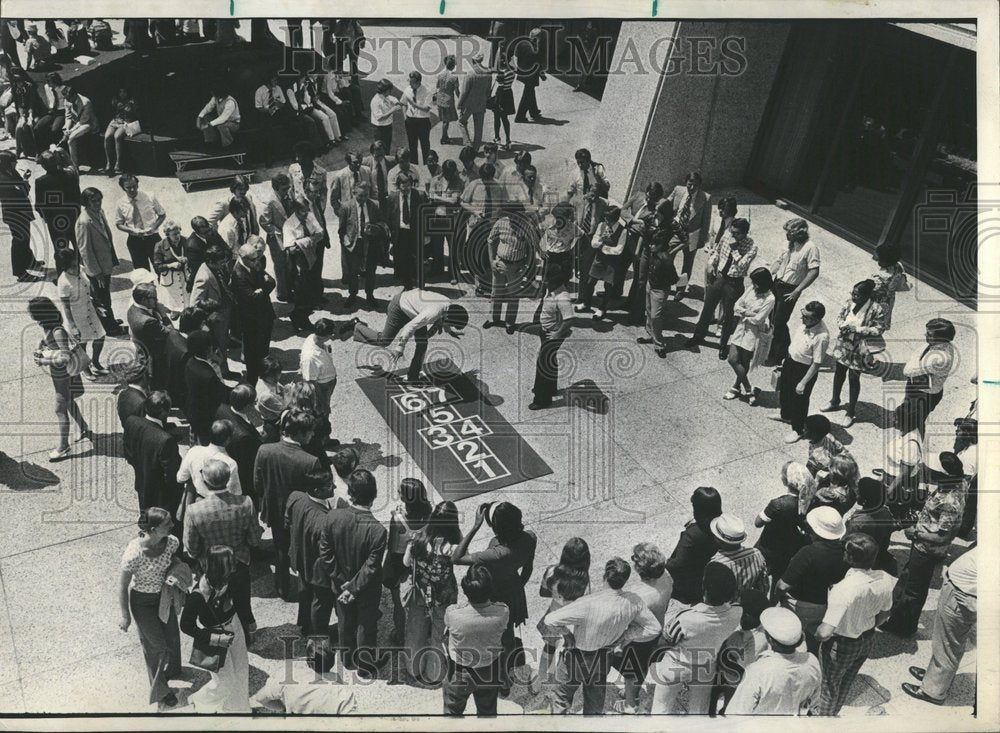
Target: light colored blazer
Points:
(272, 217)
(342, 186)
(701, 212)
(476, 87)
(97, 249)
(206, 287)
(350, 224)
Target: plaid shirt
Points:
(509, 246)
(742, 253)
(221, 519)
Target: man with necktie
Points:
(362, 238)
(277, 207)
(300, 236)
(344, 181)
(407, 233)
(97, 256)
(149, 326)
(692, 214)
(482, 199)
(139, 215)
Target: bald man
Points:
(252, 286)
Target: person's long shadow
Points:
(587, 396)
(278, 642)
(545, 121)
(24, 475)
(104, 444)
(516, 146)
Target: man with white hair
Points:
(252, 286)
(783, 680)
(149, 326)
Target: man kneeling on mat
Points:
(419, 314)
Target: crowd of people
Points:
(717, 626)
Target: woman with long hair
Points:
(405, 521)
(210, 619)
(55, 351)
(510, 558)
(145, 565)
(305, 396)
(434, 588)
(563, 583)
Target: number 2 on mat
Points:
(471, 450)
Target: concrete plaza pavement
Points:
(626, 453)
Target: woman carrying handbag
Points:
(219, 645)
(171, 268)
(405, 521)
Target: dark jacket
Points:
(205, 392)
(255, 309)
(280, 469)
(130, 402)
(242, 448)
(149, 334)
(304, 522)
(57, 201)
(686, 565)
(152, 453)
(395, 210)
(176, 356)
(15, 206)
(351, 546)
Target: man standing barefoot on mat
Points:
(419, 314)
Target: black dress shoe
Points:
(351, 301)
(491, 323)
(170, 700)
(511, 328)
(915, 691)
(644, 340)
(918, 672)
(372, 303)
(723, 354)
(692, 342)
(539, 405)
(661, 352)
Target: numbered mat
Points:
(461, 443)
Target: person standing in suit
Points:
(306, 514)
(139, 215)
(132, 393)
(97, 256)
(691, 218)
(149, 326)
(383, 109)
(212, 290)
(246, 441)
(17, 215)
(252, 286)
(152, 452)
(362, 238)
(530, 72)
(301, 236)
(475, 90)
(351, 546)
(239, 189)
(482, 199)
(279, 469)
(203, 237)
(205, 391)
(80, 120)
(275, 210)
(407, 234)
(344, 181)
(57, 199)
(377, 162)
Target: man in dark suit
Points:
(203, 237)
(407, 233)
(351, 546)
(246, 441)
(251, 287)
(205, 390)
(57, 198)
(306, 514)
(361, 239)
(530, 72)
(152, 453)
(132, 398)
(149, 326)
(281, 468)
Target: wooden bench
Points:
(215, 175)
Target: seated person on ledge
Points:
(220, 119)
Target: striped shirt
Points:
(504, 240)
(505, 78)
(604, 618)
(695, 637)
(854, 603)
(749, 567)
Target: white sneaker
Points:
(598, 314)
(732, 394)
(581, 308)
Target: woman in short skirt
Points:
(503, 99)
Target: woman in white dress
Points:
(751, 339)
(170, 266)
(209, 617)
(81, 316)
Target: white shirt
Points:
(194, 460)
(260, 97)
(935, 360)
(316, 360)
(603, 618)
(854, 602)
(422, 97)
(809, 345)
(229, 111)
(148, 207)
(382, 107)
(424, 308)
(905, 454)
(777, 684)
(52, 98)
